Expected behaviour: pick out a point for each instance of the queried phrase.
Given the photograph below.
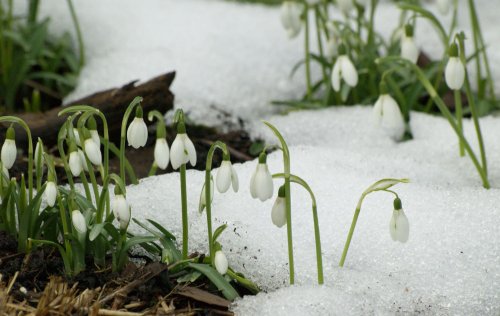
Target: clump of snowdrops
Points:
(362, 66)
(83, 219)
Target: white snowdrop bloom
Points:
(137, 133)
(455, 71)
(121, 210)
(37, 152)
(226, 175)
(95, 137)
(278, 213)
(203, 201)
(79, 222)
(443, 6)
(83, 161)
(75, 163)
(77, 136)
(182, 149)
(290, 17)
(50, 193)
(399, 227)
(343, 69)
(161, 153)
(220, 262)
(261, 183)
(409, 49)
(387, 115)
(345, 5)
(9, 150)
(93, 152)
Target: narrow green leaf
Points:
(218, 280)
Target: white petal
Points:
(253, 185)
(75, 164)
(377, 110)
(290, 18)
(392, 226)
(83, 161)
(409, 50)
(264, 183)
(95, 137)
(392, 119)
(278, 213)
(223, 177)
(454, 73)
(220, 262)
(79, 221)
(345, 5)
(202, 203)
(137, 133)
(161, 153)
(191, 151)
(9, 153)
(77, 137)
(349, 72)
(443, 6)
(336, 75)
(177, 155)
(93, 152)
(50, 193)
(234, 180)
(402, 227)
(119, 206)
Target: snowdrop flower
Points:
(220, 262)
(137, 132)
(261, 183)
(92, 127)
(121, 209)
(9, 150)
(399, 227)
(75, 162)
(278, 213)
(77, 137)
(455, 71)
(203, 201)
(92, 150)
(50, 192)
(83, 161)
(79, 222)
(443, 6)
(345, 5)
(226, 175)
(162, 152)
(343, 69)
(387, 114)
(409, 49)
(182, 148)
(290, 17)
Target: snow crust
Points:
(237, 59)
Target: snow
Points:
(237, 59)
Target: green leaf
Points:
(217, 279)
(190, 277)
(165, 232)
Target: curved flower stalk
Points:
(343, 69)
(303, 183)
(381, 185)
(481, 167)
(182, 152)
(290, 17)
(388, 116)
(261, 183)
(409, 49)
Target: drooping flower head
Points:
(343, 69)
(121, 209)
(79, 222)
(226, 175)
(92, 149)
(220, 262)
(9, 149)
(278, 213)
(50, 192)
(399, 227)
(92, 127)
(182, 148)
(387, 114)
(290, 17)
(137, 132)
(455, 71)
(162, 151)
(261, 183)
(409, 49)
(75, 162)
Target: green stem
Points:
(62, 214)
(79, 36)
(349, 236)
(308, 56)
(153, 169)
(459, 116)
(208, 200)
(185, 223)
(320, 45)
